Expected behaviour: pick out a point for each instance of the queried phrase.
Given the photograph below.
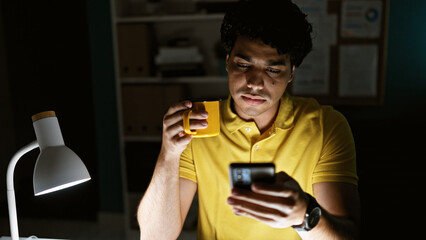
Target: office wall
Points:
(390, 139)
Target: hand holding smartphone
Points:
(242, 175)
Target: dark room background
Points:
(46, 54)
(57, 55)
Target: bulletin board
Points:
(347, 62)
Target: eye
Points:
(242, 65)
(273, 71)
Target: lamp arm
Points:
(11, 202)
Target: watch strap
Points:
(312, 204)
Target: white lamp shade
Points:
(56, 168)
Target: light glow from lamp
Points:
(63, 186)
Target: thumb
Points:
(282, 177)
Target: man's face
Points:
(258, 77)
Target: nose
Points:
(255, 80)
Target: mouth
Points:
(253, 100)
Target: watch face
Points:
(314, 217)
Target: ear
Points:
(293, 70)
(227, 61)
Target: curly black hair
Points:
(278, 23)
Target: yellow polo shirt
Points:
(310, 142)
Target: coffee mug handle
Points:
(186, 126)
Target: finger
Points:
(284, 186)
(282, 177)
(183, 139)
(285, 190)
(178, 127)
(175, 112)
(257, 210)
(198, 124)
(178, 117)
(271, 222)
(179, 107)
(199, 114)
(241, 212)
(269, 201)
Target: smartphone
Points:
(242, 175)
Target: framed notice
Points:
(347, 62)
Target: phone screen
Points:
(242, 175)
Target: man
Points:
(315, 194)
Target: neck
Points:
(264, 120)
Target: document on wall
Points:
(312, 77)
(361, 19)
(358, 70)
(312, 6)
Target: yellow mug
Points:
(213, 120)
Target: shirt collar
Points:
(284, 119)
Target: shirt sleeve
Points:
(186, 165)
(337, 162)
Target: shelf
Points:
(160, 80)
(201, 28)
(171, 18)
(153, 138)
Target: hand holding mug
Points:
(174, 138)
(213, 119)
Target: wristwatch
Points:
(312, 215)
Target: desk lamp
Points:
(57, 166)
